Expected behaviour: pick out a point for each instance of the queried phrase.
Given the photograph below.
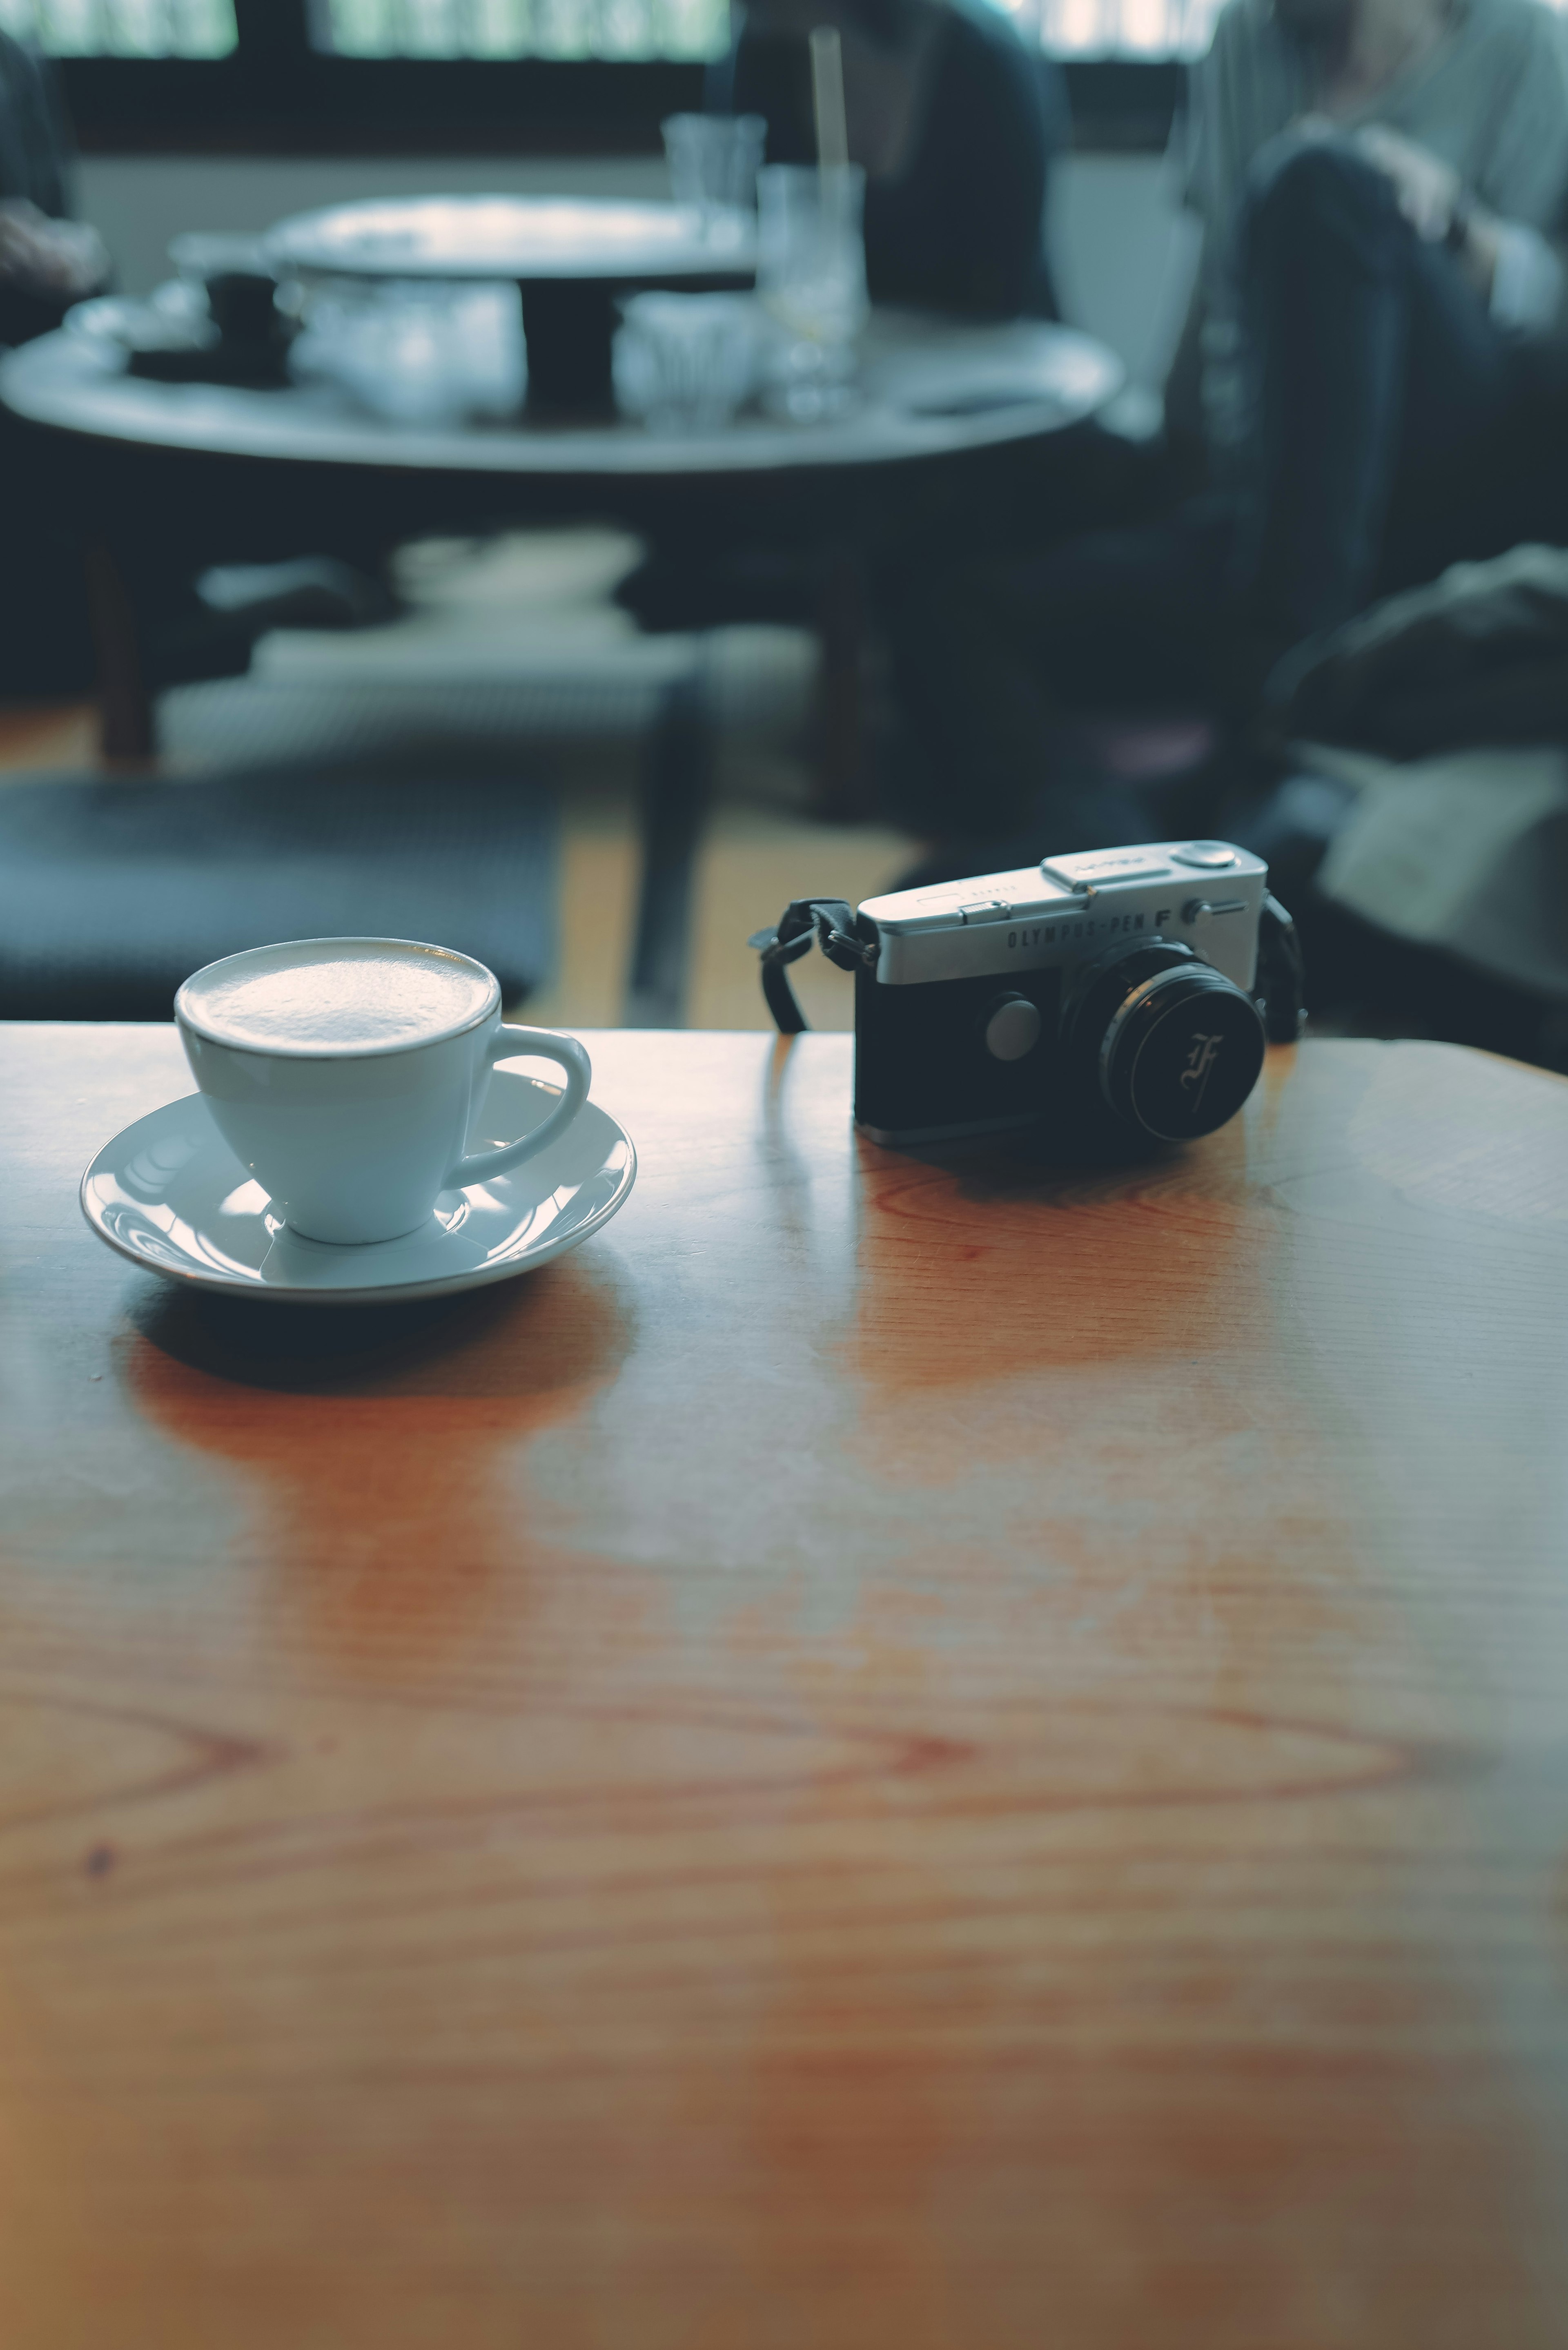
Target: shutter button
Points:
(1209, 855)
(1012, 1028)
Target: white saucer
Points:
(170, 1194)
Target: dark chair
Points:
(112, 893)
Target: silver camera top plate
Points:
(1205, 894)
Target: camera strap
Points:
(1280, 987)
(831, 922)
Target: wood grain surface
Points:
(902, 1754)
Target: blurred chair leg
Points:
(844, 787)
(677, 787)
(127, 722)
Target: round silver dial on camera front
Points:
(1012, 1028)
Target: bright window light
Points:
(123, 28)
(700, 28)
(1115, 28)
(690, 29)
(521, 28)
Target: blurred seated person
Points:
(1375, 357)
(47, 261)
(954, 123)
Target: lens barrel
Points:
(1174, 1046)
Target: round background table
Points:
(570, 256)
(931, 390)
(206, 473)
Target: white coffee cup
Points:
(345, 1073)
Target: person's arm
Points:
(1518, 273)
(1184, 378)
(57, 260)
(1185, 163)
(46, 259)
(1499, 228)
(1520, 200)
(1511, 266)
(1206, 389)
(1526, 276)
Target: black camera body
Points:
(1118, 987)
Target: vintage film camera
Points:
(1124, 986)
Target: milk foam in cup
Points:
(333, 1000)
(345, 1073)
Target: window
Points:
(123, 28)
(1143, 29)
(502, 76)
(700, 28)
(629, 29)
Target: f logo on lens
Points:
(1199, 1061)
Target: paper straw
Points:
(828, 99)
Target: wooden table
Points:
(899, 1754)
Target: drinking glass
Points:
(811, 280)
(418, 352)
(684, 362)
(713, 160)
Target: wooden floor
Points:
(45, 735)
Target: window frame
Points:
(276, 95)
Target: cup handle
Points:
(506, 1043)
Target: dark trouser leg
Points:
(1373, 359)
(127, 720)
(985, 655)
(1387, 444)
(1464, 500)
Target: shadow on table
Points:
(1012, 1257)
(550, 1333)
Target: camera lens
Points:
(1175, 1045)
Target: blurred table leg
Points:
(127, 721)
(843, 783)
